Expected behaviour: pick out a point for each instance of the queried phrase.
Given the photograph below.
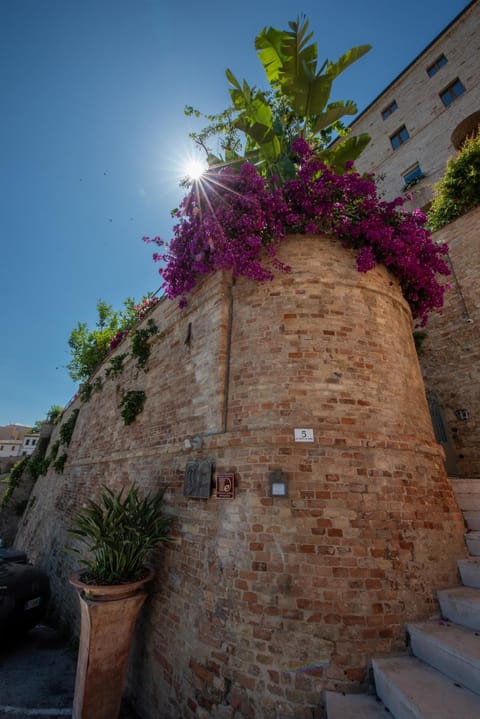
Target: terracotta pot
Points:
(108, 618)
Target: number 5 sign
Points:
(303, 435)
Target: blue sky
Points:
(93, 137)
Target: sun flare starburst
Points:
(194, 169)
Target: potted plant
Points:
(119, 532)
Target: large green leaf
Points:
(334, 112)
(347, 150)
(334, 69)
(269, 43)
(318, 93)
(300, 65)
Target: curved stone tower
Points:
(263, 601)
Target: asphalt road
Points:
(37, 677)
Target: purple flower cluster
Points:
(235, 221)
(144, 306)
(121, 334)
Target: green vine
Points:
(98, 384)
(115, 367)
(141, 343)
(88, 388)
(131, 405)
(54, 451)
(85, 392)
(59, 463)
(13, 479)
(66, 429)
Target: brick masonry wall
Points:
(450, 356)
(260, 603)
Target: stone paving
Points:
(37, 676)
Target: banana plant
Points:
(296, 104)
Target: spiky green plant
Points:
(119, 531)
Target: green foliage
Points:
(66, 429)
(89, 347)
(297, 104)
(119, 533)
(131, 405)
(59, 463)
(36, 427)
(85, 391)
(54, 413)
(141, 343)
(12, 480)
(115, 367)
(54, 451)
(459, 189)
(38, 462)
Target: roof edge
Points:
(427, 47)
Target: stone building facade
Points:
(450, 354)
(423, 116)
(416, 124)
(263, 599)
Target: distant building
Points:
(29, 444)
(424, 115)
(10, 447)
(12, 440)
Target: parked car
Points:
(24, 593)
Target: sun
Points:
(194, 169)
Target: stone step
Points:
(412, 690)
(354, 706)
(450, 648)
(468, 500)
(465, 485)
(473, 543)
(461, 605)
(470, 571)
(472, 518)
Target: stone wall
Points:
(261, 602)
(450, 356)
(430, 125)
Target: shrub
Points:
(459, 189)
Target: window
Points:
(412, 176)
(452, 92)
(435, 67)
(389, 110)
(27, 441)
(399, 137)
(1, 446)
(34, 441)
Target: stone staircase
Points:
(440, 678)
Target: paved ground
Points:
(37, 677)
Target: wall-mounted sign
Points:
(278, 483)
(303, 435)
(226, 485)
(198, 478)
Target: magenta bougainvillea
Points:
(139, 312)
(236, 220)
